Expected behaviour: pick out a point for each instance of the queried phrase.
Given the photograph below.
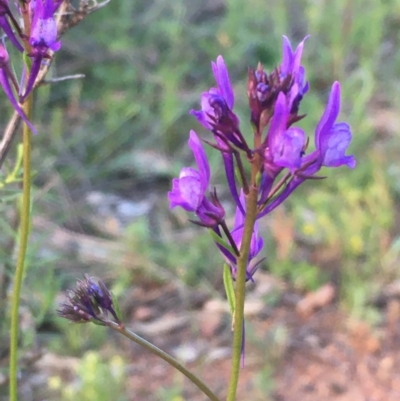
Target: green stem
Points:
(23, 245)
(251, 214)
(152, 348)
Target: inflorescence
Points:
(279, 149)
(90, 301)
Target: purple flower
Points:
(331, 142)
(291, 66)
(43, 37)
(263, 88)
(6, 26)
(188, 191)
(7, 79)
(284, 146)
(217, 104)
(332, 139)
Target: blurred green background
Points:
(109, 145)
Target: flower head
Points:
(188, 191)
(89, 301)
(264, 88)
(216, 112)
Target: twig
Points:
(8, 136)
(61, 79)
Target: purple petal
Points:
(265, 187)
(334, 147)
(292, 144)
(227, 158)
(222, 78)
(187, 193)
(297, 56)
(201, 158)
(287, 56)
(191, 191)
(239, 215)
(330, 114)
(202, 118)
(278, 123)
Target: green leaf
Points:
(221, 241)
(228, 284)
(116, 307)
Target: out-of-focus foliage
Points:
(99, 380)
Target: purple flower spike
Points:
(6, 78)
(188, 191)
(43, 37)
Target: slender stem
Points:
(229, 236)
(275, 189)
(251, 214)
(242, 173)
(173, 362)
(23, 244)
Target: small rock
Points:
(316, 300)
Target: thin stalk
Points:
(23, 245)
(251, 214)
(160, 353)
(229, 236)
(242, 173)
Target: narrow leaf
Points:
(221, 241)
(228, 284)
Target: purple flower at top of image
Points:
(7, 81)
(43, 37)
(189, 190)
(291, 66)
(216, 112)
(263, 88)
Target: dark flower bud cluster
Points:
(278, 155)
(38, 43)
(89, 301)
